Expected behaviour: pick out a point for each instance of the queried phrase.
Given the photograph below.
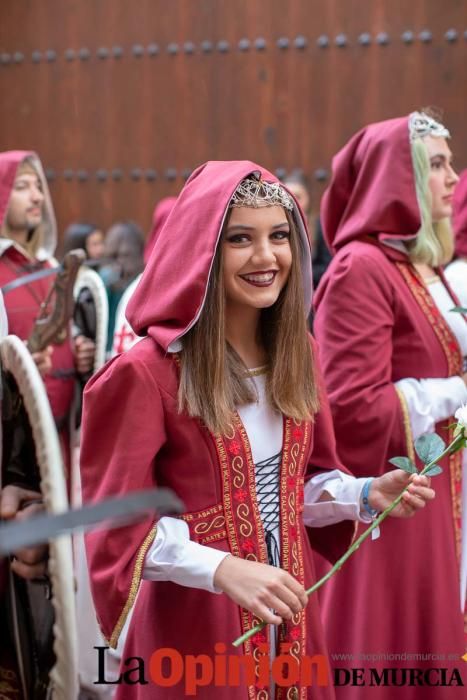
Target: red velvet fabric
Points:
(460, 215)
(399, 594)
(372, 189)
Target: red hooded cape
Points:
(23, 304)
(171, 293)
(134, 437)
(372, 189)
(460, 216)
(376, 324)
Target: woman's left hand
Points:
(385, 489)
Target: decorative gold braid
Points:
(407, 426)
(257, 371)
(135, 582)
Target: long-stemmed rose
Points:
(461, 417)
(431, 448)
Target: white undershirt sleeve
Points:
(431, 400)
(174, 557)
(345, 491)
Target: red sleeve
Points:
(331, 541)
(354, 327)
(122, 431)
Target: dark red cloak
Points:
(376, 323)
(134, 437)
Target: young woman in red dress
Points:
(223, 403)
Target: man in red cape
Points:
(27, 244)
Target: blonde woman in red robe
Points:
(222, 402)
(393, 358)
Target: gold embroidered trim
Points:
(206, 525)
(200, 514)
(250, 475)
(407, 426)
(135, 582)
(440, 327)
(455, 469)
(242, 519)
(454, 359)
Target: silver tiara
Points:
(420, 125)
(258, 193)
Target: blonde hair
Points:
(213, 378)
(434, 244)
(35, 240)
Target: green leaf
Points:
(434, 470)
(404, 463)
(459, 310)
(429, 447)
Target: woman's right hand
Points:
(464, 377)
(261, 589)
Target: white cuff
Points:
(344, 489)
(174, 557)
(431, 400)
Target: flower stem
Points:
(353, 548)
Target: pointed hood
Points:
(372, 190)
(159, 217)
(170, 296)
(9, 164)
(460, 215)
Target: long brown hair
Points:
(213, 378)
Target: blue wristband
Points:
(365, 500)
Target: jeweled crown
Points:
(252, 192)
(420, 125)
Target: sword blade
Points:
(32, 277)
(113, 512)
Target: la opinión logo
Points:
(167, 667)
